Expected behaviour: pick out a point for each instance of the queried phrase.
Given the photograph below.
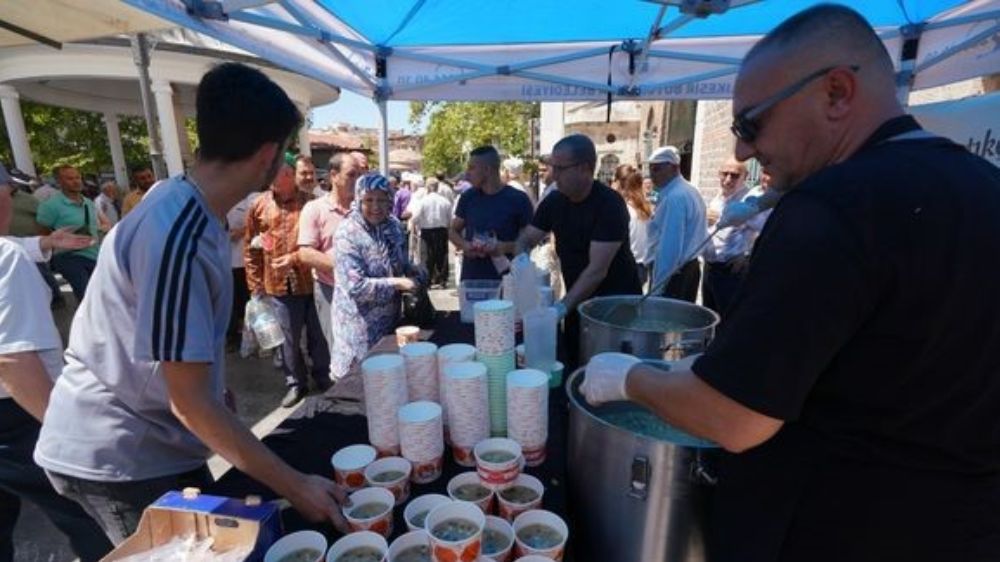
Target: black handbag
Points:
(417, 309)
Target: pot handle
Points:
(639, 476)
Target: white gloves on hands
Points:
(604, 377)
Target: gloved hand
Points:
(604, 377)
(560, 310)
(739, 212)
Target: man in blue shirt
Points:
(488, 217)
(677, 227)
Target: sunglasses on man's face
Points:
(746, 125)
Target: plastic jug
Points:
(540, 339)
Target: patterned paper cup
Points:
(371, 510)
(523, 495)
(408, 543)
(421, 371)
(528, 412)
(456, 531)
(422, 440)
(540, 532)
(498, 461)
(296, 542)
(407, 334)
(416, 511)
(447, 354)
(384, 379)
(363, 540)
(494, 326)
(468, 404)
(498, 539)
(467, 487)
(349, 466)
(393, 474)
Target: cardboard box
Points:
(232, 523)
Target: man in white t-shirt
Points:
(430, 215)
(30, 359)
(140, 407)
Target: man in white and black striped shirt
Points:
(140, 405)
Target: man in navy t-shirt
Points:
(488, 217)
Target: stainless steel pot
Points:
(691, 328)
(633, 498)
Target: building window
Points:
(606, 173)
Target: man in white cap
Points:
(677, 227)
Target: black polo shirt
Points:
(869, 322)
(601, 217)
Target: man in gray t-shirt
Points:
(140, 405)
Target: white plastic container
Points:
(540, 339)
(472, 291)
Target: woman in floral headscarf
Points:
(370, 272)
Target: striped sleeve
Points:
(173, 295)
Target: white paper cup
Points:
(494, 326)
(400, 487)
(297, 541)
(422, 504)
(528, 412)
(384, 379)
(501, 526)
(406, 541)
(485, 504)
(447, 354)
(467, 548)
(468, 407)
(349, 466)
(381, 522)
(498, 474)
(548, 519)
(421, 439)
(407, 334)
(509, 510)
(421, 371)
(357, 540)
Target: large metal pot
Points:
(634, 498)
(690, 328)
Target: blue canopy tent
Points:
(538, 50)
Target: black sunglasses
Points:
(746, 124)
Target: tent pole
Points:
(907, 61)
(140, 54)
(383, 135)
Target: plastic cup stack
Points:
(421, 371)
(421, 439)
(385, 392)
(497, 367)
(528, 412)
(447, 354)
(467, 407)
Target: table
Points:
(323, 424)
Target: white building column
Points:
(164, 96)
(304, 147)
(11, 105)
(117, 153)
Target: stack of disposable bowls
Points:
(467, 408)
(385, 391)
(494, 326)
(421, 439)
(447, 354)
(528, 412)
(421, 371)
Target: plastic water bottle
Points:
(265, 325)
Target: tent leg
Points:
(140, 54)
(383, 136)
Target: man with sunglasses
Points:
(856, 379)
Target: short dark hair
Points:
(337, 161)
(139, 168)
(58, 169)
(580, 147)
(239, 110)
(304, 158)
(846, 26)
(489, 155)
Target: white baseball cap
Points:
(665, 155)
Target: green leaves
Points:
(457, 127)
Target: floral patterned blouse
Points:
(365, 303)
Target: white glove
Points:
(739, 212)
(604, 377)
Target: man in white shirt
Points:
(30, 359)
(140, 407)
(677, 227)
(107, 204)
(431, 215)
(236, 219)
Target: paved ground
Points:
(259, 389)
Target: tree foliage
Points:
(456, 127)
(60, 135)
